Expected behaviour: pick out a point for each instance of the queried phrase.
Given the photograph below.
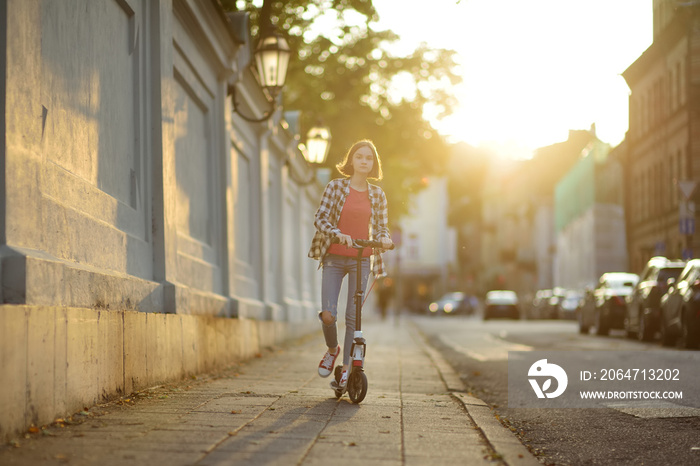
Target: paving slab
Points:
(276, 410)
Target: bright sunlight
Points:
(532, 69)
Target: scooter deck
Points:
(335, 384)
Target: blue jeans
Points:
(335, 268)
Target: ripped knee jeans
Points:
(335, 268)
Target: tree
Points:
(346, 74)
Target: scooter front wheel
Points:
(357, 386)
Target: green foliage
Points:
(344, 73)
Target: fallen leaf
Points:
(233, 411)
(33, 430)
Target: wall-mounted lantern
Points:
(318, 143)
(271, 63)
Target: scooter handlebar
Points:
(365, 243)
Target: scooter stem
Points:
(359, 292)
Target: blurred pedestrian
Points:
(350, 208)
(384, 294)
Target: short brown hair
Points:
(345, 167)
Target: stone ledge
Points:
(36, 278)
(63, 359)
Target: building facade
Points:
(589, 219)
(662, 165)
(148, 232)
(505, 235)
(519, 246)
(425, 261)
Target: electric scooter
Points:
(357, 380)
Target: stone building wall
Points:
(146, 229)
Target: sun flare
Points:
(533, 70)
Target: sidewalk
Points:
(277, 410)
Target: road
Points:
(478, 350)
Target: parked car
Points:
(643, 316)
(567, 305)
(608, 307)
(558, 296)
(452, 303)
(680, 308)
(501, 303)
(540, 304)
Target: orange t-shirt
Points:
(354, 221)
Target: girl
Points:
(350, 208)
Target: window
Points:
(681, 85)
(671, 180)
(673, 103)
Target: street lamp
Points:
(315, 151)
(318, 142)
(271, 60)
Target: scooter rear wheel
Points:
(357, 386)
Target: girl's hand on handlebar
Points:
(386, 243)
(344, 239)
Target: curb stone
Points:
(503, 442)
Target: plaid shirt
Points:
(328, 215)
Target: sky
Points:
(532, 69)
